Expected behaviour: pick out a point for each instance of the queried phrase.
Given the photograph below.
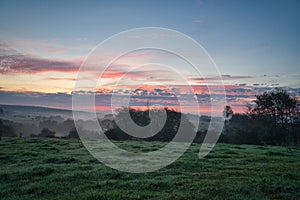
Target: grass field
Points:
(64, 169)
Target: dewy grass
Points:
(64, 169)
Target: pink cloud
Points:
(59, 79)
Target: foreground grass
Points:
(64, 169)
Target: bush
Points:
(45, 132)
(73, 133)
(6, 130)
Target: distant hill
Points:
(22, 113)
(15, 112)
(22, 108)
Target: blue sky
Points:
(242, 36)
(245, 38)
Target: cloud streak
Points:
(218, 78)
(13, 64)
(237, 97)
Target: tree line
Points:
(174, 120)
(273, 119)
(45, 128)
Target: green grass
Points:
(64, 169)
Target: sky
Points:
(255, 45)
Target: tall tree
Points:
(277, 113)
(73, 133)
(227, 113)
(277, 106)
(45, 132)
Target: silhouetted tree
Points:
(200, 136)
(73, 133)
(1, 112)
(274, 111)
(107, 124)
(6, 130)
(45, 132)
(275, 106)
(227, 113)
(50, 124)
(173, 121)
(66, 126)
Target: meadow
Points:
(40, 168)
